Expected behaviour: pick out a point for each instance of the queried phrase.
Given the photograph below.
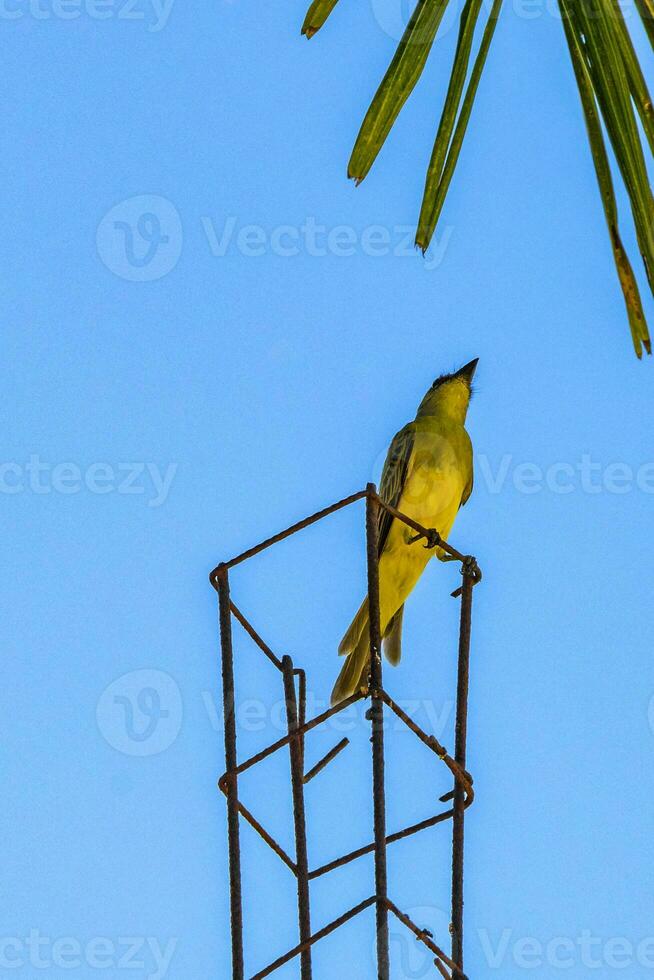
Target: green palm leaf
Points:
(316, 16)
(399, 81)
(446, 153)
(615, 101)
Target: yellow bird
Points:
(428, 475)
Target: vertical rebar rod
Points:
(463, 683)
(296, 750)
(231, 762)
(377, 719)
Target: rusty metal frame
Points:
(462, 794)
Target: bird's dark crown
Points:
(464, 374)
(442, 378)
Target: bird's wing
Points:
(467, 490)
(394, 477)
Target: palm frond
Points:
(626, 276)
(614, 96)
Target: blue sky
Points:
(209, 333)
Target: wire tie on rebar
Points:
(369, 715)
(450, 796)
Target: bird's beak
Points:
(467, 372)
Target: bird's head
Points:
(451, 393)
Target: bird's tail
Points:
(355, 629)
(354, 674)
(355, 645)
(393, 638)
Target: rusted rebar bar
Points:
(423, 936)
(377, 721)
(459, 773)
(231, 762)
(324, 762)
(276, 538)
(321, 934)
(280, 743)
(421, 532)
(252, 633)
(299, 817)
(302, 707)
(263, 833)
(470, 577)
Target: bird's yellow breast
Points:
(436, 478)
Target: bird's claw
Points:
(433, 539)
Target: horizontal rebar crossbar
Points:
(421, 532)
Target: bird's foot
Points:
(433, 539)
